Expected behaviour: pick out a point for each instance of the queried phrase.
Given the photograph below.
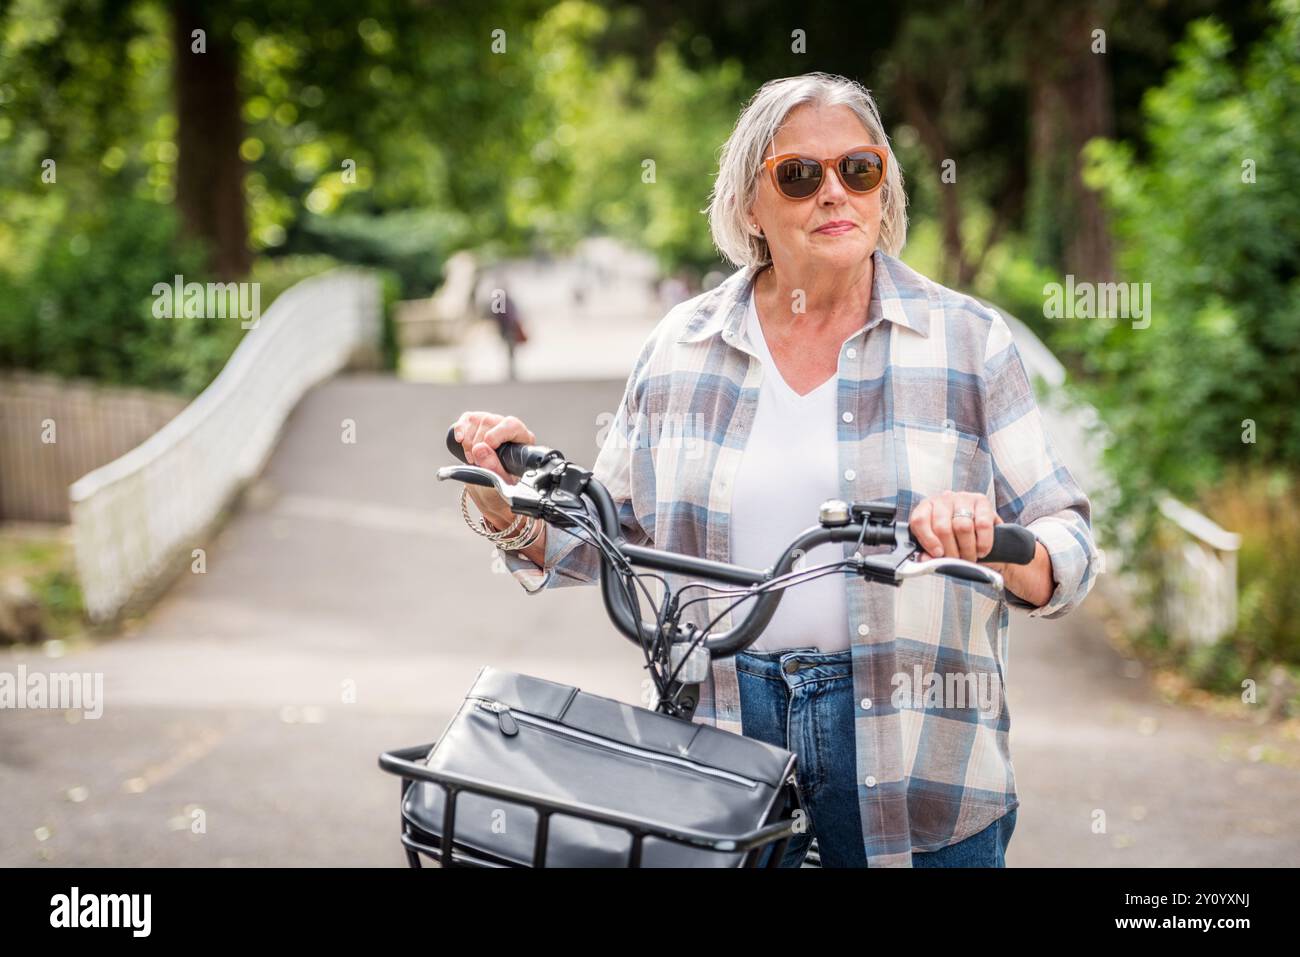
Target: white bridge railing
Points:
(138, 517)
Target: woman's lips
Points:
(834, 228)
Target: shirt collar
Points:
(898, 294)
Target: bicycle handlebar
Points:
(516, 458)
(565, 485)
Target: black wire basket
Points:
(423, 839)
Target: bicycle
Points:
(678, 657)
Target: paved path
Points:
(347, 568)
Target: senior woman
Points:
(826, 368)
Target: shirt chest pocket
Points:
(936, 457)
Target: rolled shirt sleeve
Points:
(1032, 487)
(559, 558)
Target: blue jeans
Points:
(802, 700)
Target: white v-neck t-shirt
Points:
(790, 465)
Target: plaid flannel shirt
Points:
(932, 396)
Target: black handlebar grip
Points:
(1012, 544)
(516, 458)
(455, 447)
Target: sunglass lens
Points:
(862, 171)
(798, 178)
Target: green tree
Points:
(609, 150)
(1211, 219)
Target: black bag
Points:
(553, 741)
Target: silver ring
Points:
(963, 513)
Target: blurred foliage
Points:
(1203, 402)
(412, 244)
(1212, 221)
(508, 142)
(1260, 506)
(393, 133)
(608, 150)
(85, 307)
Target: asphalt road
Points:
(345, 610)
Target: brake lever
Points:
(900, 564)
(951, 568)
(522, 498)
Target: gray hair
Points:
(743, 154)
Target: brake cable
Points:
(625, 570)
(780, 582)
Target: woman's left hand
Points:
(941, 531)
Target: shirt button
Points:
(871, 781)
(864, 630)
(847, 417)
(850, 474)
(866, 704)
(852, 353)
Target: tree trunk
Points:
(1070, 104)
(209, 171)
(925, 120)
(1087, 91)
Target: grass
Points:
(42, 556)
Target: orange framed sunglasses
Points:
(861, 170)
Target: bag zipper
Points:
(507, 722)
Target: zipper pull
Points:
(505, 720)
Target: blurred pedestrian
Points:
(509, 326)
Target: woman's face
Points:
(793, 227)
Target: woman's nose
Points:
(832, 191)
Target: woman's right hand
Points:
(480, 434)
